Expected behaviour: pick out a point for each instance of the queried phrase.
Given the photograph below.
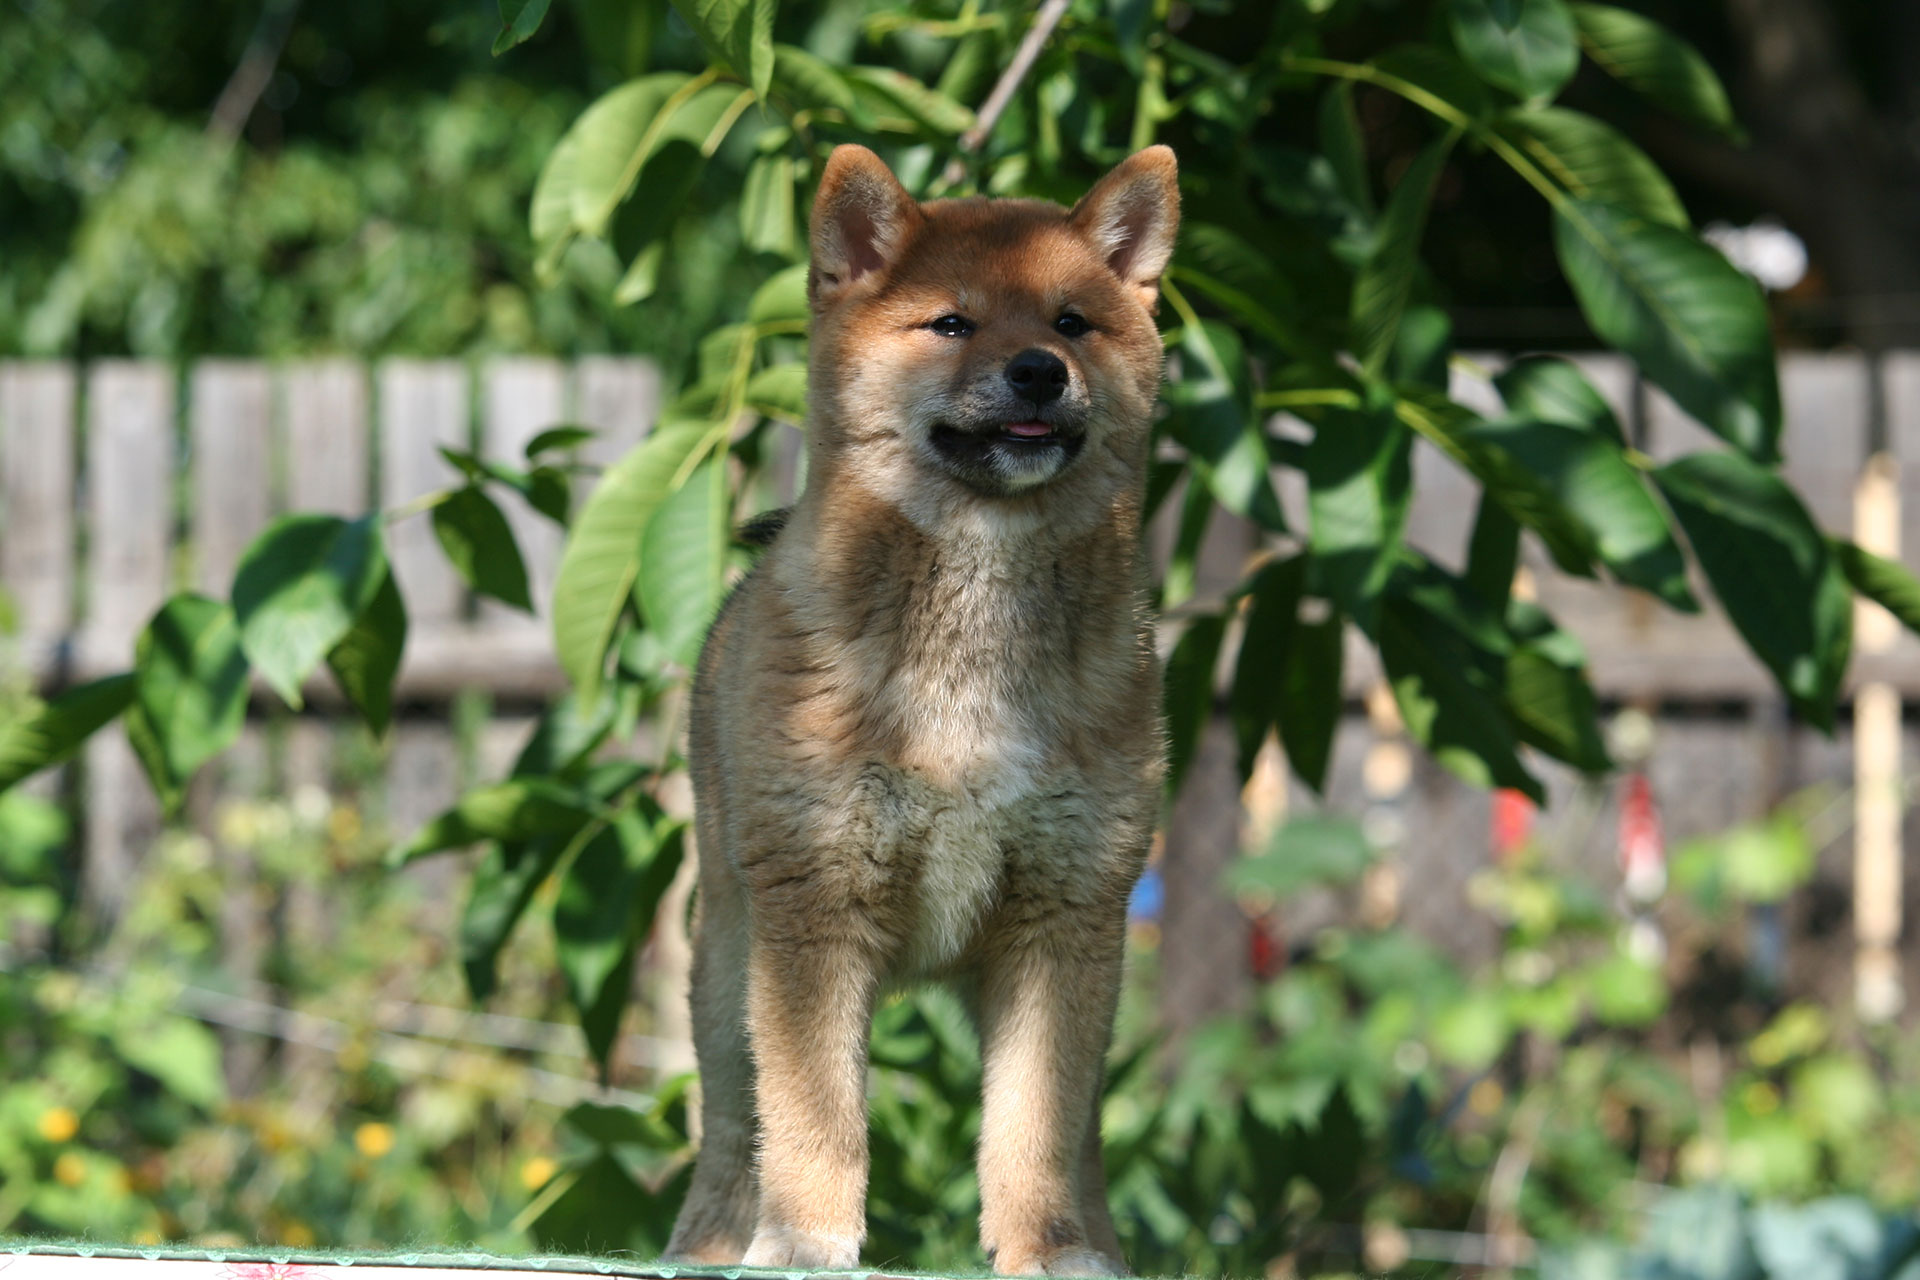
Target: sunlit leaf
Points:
(299, 589)
(1646, 57)
(681, 578)
(1526, 46)
(1593, 161)
(480, 545)
(46, 733)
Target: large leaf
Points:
(192, 684)
(52, 731)
(1552, 389)
(1526, 46)
(1589, 479)
(683, 562)
(480, 545)
(602, 557)
(299, 589)
(1593, 161)
(608, 898)
(929, 108)
(515, 810)
(1548, 694)
(641, 226)
(738, 33)
(767, 216)
(1771, 568)
(1493, 551)
(504, 882)
(1189, 692)
(1214, 418)
(1687, 316)
(1266, 641)
(367, 658)
(1360, 479)
(1446, 664)
(1312, 698)
(519, 19)
(1385, 282)
(1885, 582)
(1341, 144)
(1646, 57)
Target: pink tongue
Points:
(1029, 429)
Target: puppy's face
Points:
(1003, 347)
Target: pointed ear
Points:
(1131, 217)
(862, 219)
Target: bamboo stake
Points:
(1876, 762)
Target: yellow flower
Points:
(1760, 1098)
(297, 1234)
(69, 1170)
(537, 1172)
(373, 1140)
(1485, 1098)
(59, 1124)
(147, 1236)
(343, 825)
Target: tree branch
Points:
(250, 78)
(1051, 11)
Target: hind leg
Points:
(716, 1221)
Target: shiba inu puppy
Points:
(925, 735)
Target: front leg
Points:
(1048, 985)
(811, 977)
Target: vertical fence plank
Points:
(129, 487)
(1900, 374)
(1826, 401)
(618, 397)
(230, 421)
(36, 500)
(327, 442)
(523, 398)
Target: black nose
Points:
(1037, 376)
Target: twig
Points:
(1051, 11)
(250, 78)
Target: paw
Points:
(1075, 1260)
(789, 1247)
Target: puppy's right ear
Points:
(862, 219)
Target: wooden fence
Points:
(123, 480)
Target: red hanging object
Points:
(1513, 816)
(1643, 845)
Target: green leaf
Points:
(1552, 389)
(504, 882)
(1385, 281)
(1593, 161)
(299, 589)
(1359, 480)
(49, 732)
(813, 83)
(602, 557)
(780, 391)
(1493, 551)
(1687, 316)
(1266, 641)
(930, 108)
(1304, 853)
(144, 738)
(178, 1052)
(1450, 690)
(367, 659)
(1189, 692)
(518, 809)
(782, 299)
(1341, 144)
(568, 734)
(1589, 480)
(556, 439)
(1313, 697)
(192, 688)
(739, 33)
(683, 562)
(767, 216)
(1548, 693)
(608, 898)
(1772, 570)
(1214, 418)
(1526, 46)
(641, 226)
(1646, 57)
(1885, 582)
(480, 545)
(519, 19)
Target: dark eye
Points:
(952, 326)
(1071, 325)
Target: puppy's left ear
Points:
(1131, 216)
